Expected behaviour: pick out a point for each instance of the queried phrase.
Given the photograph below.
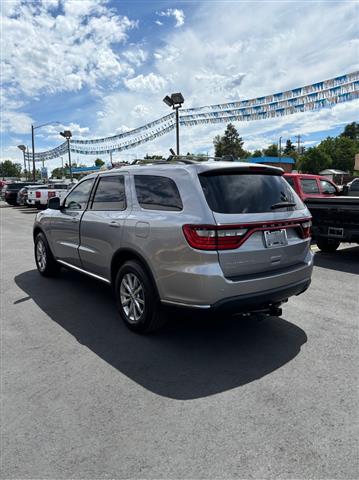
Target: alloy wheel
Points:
(132, 297)
(41, 257)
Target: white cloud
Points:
(173, 12)
(62, 53)
(146, 83)
(245, 50)
(158, 22)
(136, 56)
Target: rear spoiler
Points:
(252, 169)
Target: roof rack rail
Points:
(181, 159)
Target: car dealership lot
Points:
(82, 397)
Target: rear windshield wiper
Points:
(282, 204)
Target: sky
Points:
(102, 67)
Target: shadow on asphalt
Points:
(191, 358)
(345, 260)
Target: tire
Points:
(137, 299)
(327, 245)
(46, 264)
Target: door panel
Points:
(65, 224)
(65, 234)
(102, 224)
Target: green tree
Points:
(341, 150)
(230, 144)
(10, 169)
(271, 151)
(257, 153)
(289, 147)
(314, 160)
(58, 172)
(99, 162)
(351, 131)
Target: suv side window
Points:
(78, 198)
(110, 193)
(327, 187)
(309, 185)
(155, 192)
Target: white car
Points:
(39, 197)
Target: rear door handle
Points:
(74, 219)
(114, 224)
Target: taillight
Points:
(213, 237)
(229, 237)
(37, 194)
(306, 229)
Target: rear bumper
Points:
(350, 233)
(208, 289)
(262, 300)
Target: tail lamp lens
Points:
(212, 237)
(37, 194)
(306, 229)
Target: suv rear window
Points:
(155, 192)
(248, 193)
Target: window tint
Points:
(248, 193)
(354, 186)
(78, 198)
(110, 194)
(290, 180)
(309, 185)
(157, 193)
(327, 187)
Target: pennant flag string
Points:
(310, 97)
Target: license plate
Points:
(336, 232)
(276, 238)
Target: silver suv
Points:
(209, 236)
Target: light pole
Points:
(67, 134)
(280, 146)
(33, 143)
(175, 101)
(23, 149)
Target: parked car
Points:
(11, 190)
(22, 194)
(39, 197)
(352, 188)
(335, 220)
(307, 185)
(207, 236)
(335, 215)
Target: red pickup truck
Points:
(313, 186)
(335, 215)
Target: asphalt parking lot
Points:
(82, 397)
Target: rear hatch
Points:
(261, 223)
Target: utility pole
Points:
(298, 143)
(28, 160)
(280, 147)
(33, 153)
(111, 159)
(67, 134)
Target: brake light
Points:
(229, 237)
(306, 229)
(213, 237)
(37, 194)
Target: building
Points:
(287, 163)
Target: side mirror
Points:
(54, 203)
